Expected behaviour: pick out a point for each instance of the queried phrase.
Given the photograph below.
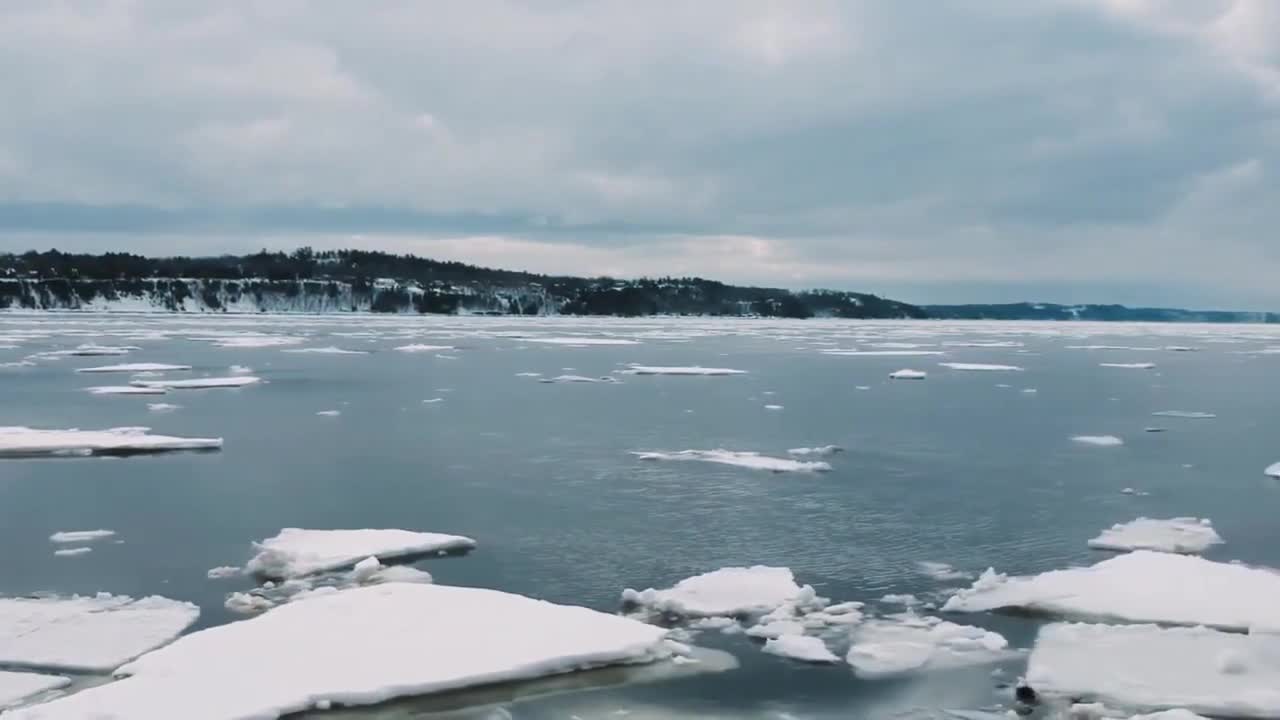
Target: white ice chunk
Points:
(1098, 440)
(133, 368)
(78, 536)
(224, 571)
(1185, 414)
(328, 350)
(577, 379)
(1175, 714)
(89, 350)
(727, 592)
(254, 341)
(1272, 470)
(880, 353)
(240, 370)
(1141, 586)
(87, 634)
(162, 407)
(753, 460)
(820, 451)
(692, 370)
(17, 687)
(800, 647)
(1129, 366)
(125, 390)
(296, 552)
(773, 407)
(360, 647)
(329, 413)
(908, 374)
(199, 383)
(1175, 535)
(941, 571)
(981, 367)
(907, 642)
(72, 552)
(579, 341)
(1147, 667)
(29, 442)
(419, 348)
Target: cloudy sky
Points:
(931, 150)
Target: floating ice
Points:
(16, 687)
(432, 401)
(1147, 667)
(360, 647)
(693, 370)
(89, 350)
(1175, 535)
(29, 442)
(881, 353)
(329, 413)
(87, 634)
(254, 341)
(908, 642)
(78, 536)
(1187, 414)
(981, 367)
(579, 341)
(992, 344)
(727, 592)
(577, 379)
(199, 383)
(416, 348)
(820, 451)
(125, 390)
(72, 552)
(1098, 440)
(133, 368)
(328, 350)
(800, 647)
(1132, 491)
(1141, 586)
(899, 599)
(1030, 391)
(240, 370)
(941, 571)
(1272, 470)
(773, 407)
(1180, 348)
(907, 374)
(17, 364)
(223, 571)
(752, 460)
(1129, 366)
(162, 407)
(529, 374)
(295, 552)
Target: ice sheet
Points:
(752, 460)
(31, 442)
(295, 552)
(1175, 535)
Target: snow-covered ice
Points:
(820, 451)
(89, 350)
(420, 348)
(576, 379)
(72, 552)
(941, 571)
(579, 341)
(133, 368)
(223, 571)
(1141, 586)
(1098, 440)
(126, 390)
(981, 367)
(295, 552)
(727, 592)
(1272, 470)
(880, 353)
(773, 407)
(1185, 414)
(908, 642)
(254, 341)
(240, 370)
(31, 442)
(15, 687)
(1146, 667)
(1129, 366)
(360, 647)
(752, 460)
(692, 370)
(326, 350)
(87, 634)
(908, 374)
(800, 647)
(329, 413)
(162, 407)
(1175, 535)
(79, 536)
(199, 383)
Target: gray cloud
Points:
(1065, 149)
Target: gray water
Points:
(952, 469)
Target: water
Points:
(952, 469)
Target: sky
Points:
(931, 151)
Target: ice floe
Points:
(529, 374)
(1129, 366)
(752, 460)
(327, 350)
(254, 341)
(820, 451)
(16, 687)
(691, 370)
(941, 571)
(199, 383)
(1186, 414)
(992, 344)
(981, 367)
(907, 642)
(419, 348)
(125, 390)
(87, 634)
(908, 374)
(880, 353)
(295, 552)
(1272, 470)
(1142, 586)
(78, 536)
(1146, 667)
(360, 647)
(134, 368)
(89, 350)
(30, 442)
(800, 647)
(576, 379)
(727, 592)
(1175, 535)
(162, 407)
(72, 552)
(240, 370)
(329, 413)
(579, 341)
(773, 407)
(223, 571)
(1098, 440)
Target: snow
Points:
(72, 552)
(78, 536)
(360, 647)
(1175, 535)
(1186, 414)
(329, 350)
(134, 367)
(1272, 470)
(800, 647)
(1147, 667)
(695, 370)
(908, 374)
(727, 592)
(907, 642)
(295, 552)
(1142, 586)
(87, 634)
(576, 379)
(30, 442)
(223, 571)
(820, 451)
(162, 407)
(1098, 440)
(199, 383)
(1129, 366)
(981, 367)
(16, 687)
(752, 460)
(421, 348)
(941, 571)
(125, 390)
(579, 341)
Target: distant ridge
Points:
(1049, 311)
